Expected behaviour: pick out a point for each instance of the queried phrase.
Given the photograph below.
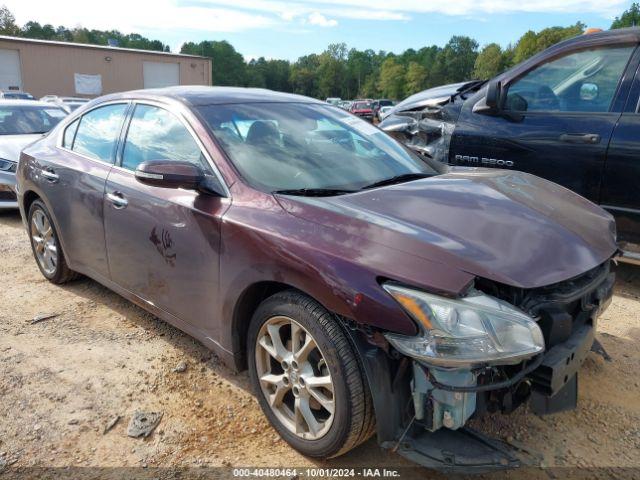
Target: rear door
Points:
(163, 244)
(560, 115)
(73, 178)
(622, 172)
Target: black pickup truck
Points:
(570, 114)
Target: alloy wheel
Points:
(294, 377)
(44, 242)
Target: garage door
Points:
(160, 74)
(10, 77)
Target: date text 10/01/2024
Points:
(316, 472)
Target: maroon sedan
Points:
(364, 287)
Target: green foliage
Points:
(303, 76)
(415, 78)
(7, 22)
(454, 63)
(490, 62)
(392, 81)
(629, 18)
(228, 66)
(531, 42)
(332, 71)
(35, 30)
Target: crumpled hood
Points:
(506, 226)
(12, 145)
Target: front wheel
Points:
(307, 377)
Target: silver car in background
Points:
(21, 123)
(68, 104)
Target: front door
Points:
(622, 173)
(559, 118)
(163, 244)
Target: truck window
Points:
(584, 81)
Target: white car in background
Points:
(21, 122)
(384, 111)
(15, 95)
(68, 104)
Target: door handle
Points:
(592, 138)
(50, 175)
(117, 199)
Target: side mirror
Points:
(490, 105)
(170, 174)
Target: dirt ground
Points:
(63, 380)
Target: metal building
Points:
(42, 67)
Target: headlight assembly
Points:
(7, 165)
(474, 330)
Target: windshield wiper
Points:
(405, 177)
(314, 192)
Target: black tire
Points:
(62, 273)
(354, 420)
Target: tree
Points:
(370, 87)
(629, 18)
(415, 78)
(392, 79)
(228, 66)
(531, 43)
(303, 76)
(454, 63)
(8, 22)
(332, 70)
(490, 62)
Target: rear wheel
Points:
(45, 245)
(307, 376)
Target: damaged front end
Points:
(425, 121)
(490, 351)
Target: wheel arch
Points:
(28, 197)
(246, 305)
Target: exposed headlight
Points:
(7, 165)
(474, 330)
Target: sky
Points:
(289, 29)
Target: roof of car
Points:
(619, 35)
(201, 95)
(27, 103)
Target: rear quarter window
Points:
(69, 134)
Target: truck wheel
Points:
(307, 377)
(45, 245)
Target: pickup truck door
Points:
(622, 172)
(556, 119)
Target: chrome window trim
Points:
(60, 139)
(185, 123)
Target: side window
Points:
(584, 81)
(156, 134)
(69, 134)
(98, 132)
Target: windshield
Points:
(25, 120)
(289, 146)
(362, 106)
